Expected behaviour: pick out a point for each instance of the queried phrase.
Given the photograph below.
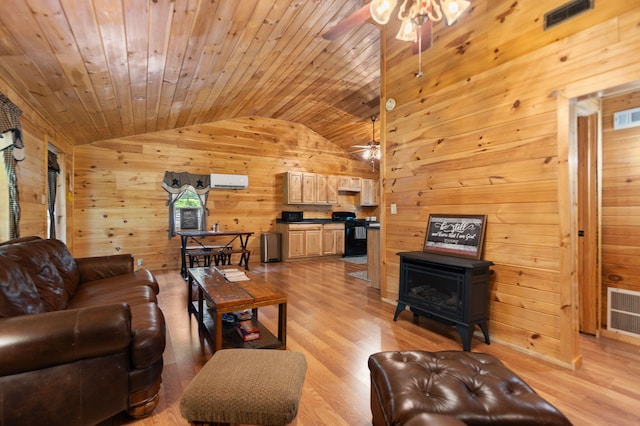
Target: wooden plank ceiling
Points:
(100, 69)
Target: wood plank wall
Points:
(620, 200)
(479, 134)
(120, 205)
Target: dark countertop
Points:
(312, 221)
(309, 221)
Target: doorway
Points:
(607, 162)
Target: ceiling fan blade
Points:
(358, 17)
(427, 37)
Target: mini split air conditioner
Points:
(221, 181)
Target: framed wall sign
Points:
(189, 218)
(455, 235)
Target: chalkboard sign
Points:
(455, 235)
(189, 219)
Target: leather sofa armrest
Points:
(31, 342)
(99, 267)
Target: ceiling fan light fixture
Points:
(453, 9)
(372, 151)
(408, 30)
(381, 10)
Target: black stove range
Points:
(355, 233)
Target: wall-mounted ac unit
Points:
(222, 181)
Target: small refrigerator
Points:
(270, 244)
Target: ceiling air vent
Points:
(566, 11)
(626, 119)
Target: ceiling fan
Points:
(371, 151)
(416, 20)
(363, 14)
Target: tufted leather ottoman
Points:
(452, 386)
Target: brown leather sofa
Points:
(448, 388)
(81, 340)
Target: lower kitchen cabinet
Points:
(333, 239)
(301, 240)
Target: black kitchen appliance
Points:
(355, 233)
(291, 216)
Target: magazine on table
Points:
(233, 274)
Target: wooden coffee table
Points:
(226, 297)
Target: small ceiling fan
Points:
(371, 151)
(363, 15)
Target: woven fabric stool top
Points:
(251, 386)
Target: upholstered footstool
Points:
(252, 386)
(471, 387)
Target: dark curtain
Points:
(14, 194)
(10, 121)
(175, 183)
(53, 169)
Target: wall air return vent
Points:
(626, 119)
(623, 311)
(566, 11)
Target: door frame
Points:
(605, 84)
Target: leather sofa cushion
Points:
(125, 280)
(99, 267)
(18, 293)
(134, 295)
(51, 267)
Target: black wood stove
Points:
(449, 289)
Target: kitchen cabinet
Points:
(300, 240)
(320, 189)
(333, 239)
(349, 183)
(370, 193)
(309, 188)
(327, 189)
(293, 187)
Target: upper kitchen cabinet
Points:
(293, 187)
(327, 186)
(369, 194)
(349, 183)
(310, 188)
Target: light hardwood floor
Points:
(337, 321)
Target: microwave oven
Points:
(292, 216)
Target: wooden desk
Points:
(198, 237)
(226, 297)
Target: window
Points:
(188, 211)
(187, 200)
